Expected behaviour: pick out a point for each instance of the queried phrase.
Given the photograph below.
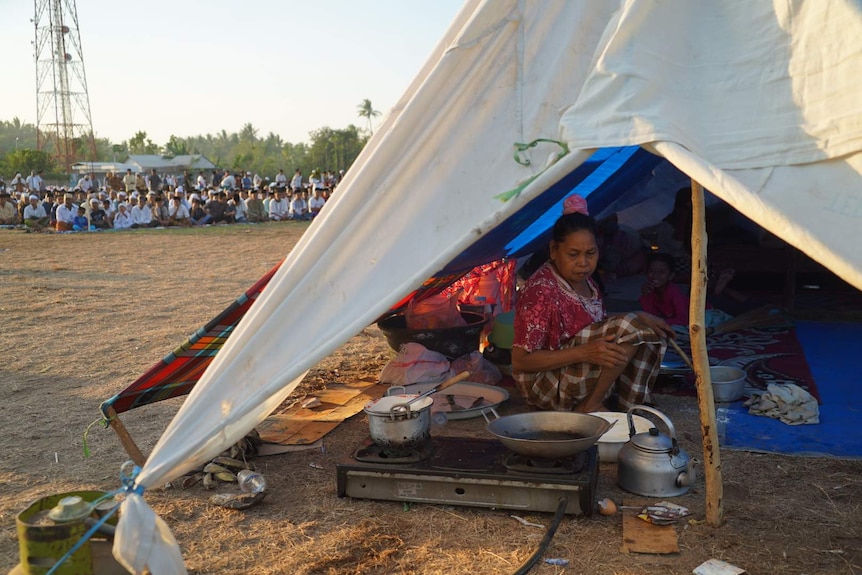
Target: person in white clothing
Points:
(85, 184)
(122, 219)
(33, 182)
(296, 181)
(201, 182)
(298, 208)
(178, 214)
(279, 209)
(181, 193)
(316, 203)
(66, 213)
(239, 206)
(281, 179)
(35, 217)
(142, 214)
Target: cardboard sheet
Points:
(301, 427)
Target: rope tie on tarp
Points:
(128, 473)
(525, 161)
(86, 444)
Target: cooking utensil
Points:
(653, 464)
(548, 434)
(403, 430)
(681, 353)
(728, 383)
(405, 407)
(611, 442)
(452, 405)
(467, 395)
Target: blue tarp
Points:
(602, 180)
(831, 350)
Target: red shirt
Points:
(671, 304)
(549, 313)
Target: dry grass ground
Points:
(83, 315)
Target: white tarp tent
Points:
(759, 101)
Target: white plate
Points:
(464, 394)
(619, 433)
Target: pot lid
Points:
(653, 441)
(384, 405)
(72, 508)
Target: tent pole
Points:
(125, 439)
(700, 358)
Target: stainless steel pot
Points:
(548, 434)
(399, 429)
(403, 422)
(653, 464)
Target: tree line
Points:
(327, 149)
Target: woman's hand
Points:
(657, 324)
(604, 352)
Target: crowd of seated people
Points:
(149, 201)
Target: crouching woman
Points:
(568, 354)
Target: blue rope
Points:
(128, 473)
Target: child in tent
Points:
(663, 298)
(660, 296)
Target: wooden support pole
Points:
(700, 358)
(125, 439)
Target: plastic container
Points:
(503, 333)
(453, 342)
(251, 481)
(728, 383)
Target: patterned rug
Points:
(767, 355)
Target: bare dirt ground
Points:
(83, 315)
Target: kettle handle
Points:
(654, 411)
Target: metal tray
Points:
(673, 363)
(464, 394)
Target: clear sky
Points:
(186, 68)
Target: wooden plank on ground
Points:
(642, 537)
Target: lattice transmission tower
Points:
(64, 126)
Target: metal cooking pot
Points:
(548, 434)
(653, 464)
(399, 429)
(403, 422)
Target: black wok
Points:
(548, 434)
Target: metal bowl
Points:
(728, 383)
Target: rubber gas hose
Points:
(546, 540)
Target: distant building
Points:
(99, 168)
(145, 163)
(168, 165)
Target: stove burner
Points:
(534, 465)
(471, 472)
(373, 453)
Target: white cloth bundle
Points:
(787, 402)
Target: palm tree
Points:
(367, 111)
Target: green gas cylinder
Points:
(43, 541)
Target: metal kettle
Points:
(653, 464)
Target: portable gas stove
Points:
(470, 472)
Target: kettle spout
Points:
(686, 478)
